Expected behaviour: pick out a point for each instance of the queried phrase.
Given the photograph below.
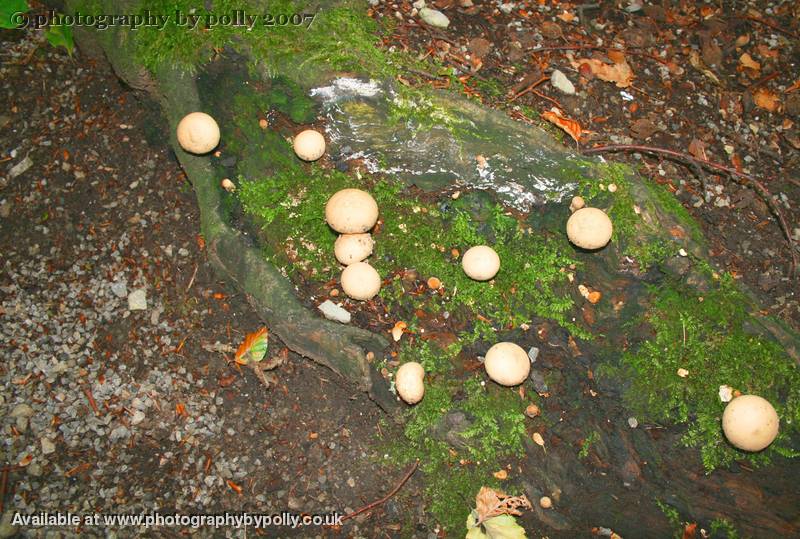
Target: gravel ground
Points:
(117, 391)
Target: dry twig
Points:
(386, 498)
(762, 190)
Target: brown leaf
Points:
(643, 128)
(226, 379)
(698, 149)
(766, 99)
(619, 73)
(616, 56)
(712, 53)
(566, 16)
(234, 487)
(551, 29)
(572, 127)
(247, 344)
(479, 47)
(689, 531)
(492, 503)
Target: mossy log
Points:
(343, 349)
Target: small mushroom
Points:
(750, 422)
(507, 364)
(309, 145)
(228, 185)
(352, 248)
(576, 204)
(409, 382)
(198, 133)
(360, 281)
(545, 502)
(589, 228)
(351, 211)
(480, 263)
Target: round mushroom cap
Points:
(351, 211)
(409, 382)
(750, 422)
(352, 248)
(198, 133)
(309, 145)
(480, 263)
(507, 364)
(360, 281)
(589, 228)
(576, 204)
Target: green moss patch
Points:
(453, 475)
(707, 335)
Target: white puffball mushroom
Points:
(409, 382)
(507, 364)
(576, 204)
(750, 422)
(198, 133)
(360, 281)
(351, 211)
(352, 248)
(480, 263)
(589, 228)
(309, 145)
(228, 185)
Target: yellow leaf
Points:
(766, 100)
(538, 439)
(619, 73)
(571, 127)
(747, 61)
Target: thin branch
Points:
(386, 498)
(762, 190)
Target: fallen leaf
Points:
(397, 330)
(24, 461)
(766, 100)
(434, 283)
(697, 63)
(501, 475)
(741, 41)
(643, 128)
(551, 29)
(766, 52)
(683, 373)
(689, 531)
(254, 347)
(234, 487)
(793, 87)
(180, 409)
(712, 53)
(747, 61)
(571, 127)
(501, 527)
(616, 56)
(619, 73)
(226, 380)
(566, 16)
(594, 297)
(538, 439)
(492, 503)
(698, 149)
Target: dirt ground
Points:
(144, 408)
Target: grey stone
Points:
(560, 81)
(20, 167)
(48, 447)
(21, 410)
(434, 17)
(334, 312)
(119, 289)
(137, 300)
